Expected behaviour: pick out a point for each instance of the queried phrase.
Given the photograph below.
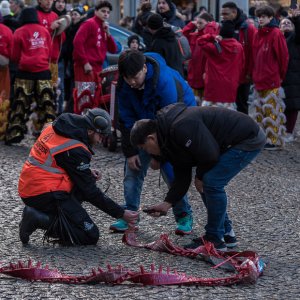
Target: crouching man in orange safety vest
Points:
(56, 178)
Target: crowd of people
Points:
(49, 56)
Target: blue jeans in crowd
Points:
(133, 183)
(214, 195)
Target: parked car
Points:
(120, 34)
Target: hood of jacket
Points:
(166, 117)
(169, 15)
(72, 126)
(240, 20)
(165, 33)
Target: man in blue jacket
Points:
(146, 84)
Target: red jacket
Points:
(223, 69)
(246, 38)
(46, 19)
(271, 58)
(91, 44)
(6, 40)
(31, 48)
(196, 67)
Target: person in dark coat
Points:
(140, 24)
(291, 83)
(218, 142)
(164, 42)
(167, 10)
(57, 177)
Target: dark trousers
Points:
(242, 98)
(71, 222)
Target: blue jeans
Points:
(133, 183)
(214, 182)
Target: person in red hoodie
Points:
(6, 38)
(49, 19)
(31, 52)
(271, 59)
(204, 24)
(244, 33)
(91, 43)
(224, 67)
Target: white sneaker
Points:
(289, 138)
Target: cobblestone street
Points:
(263, 204)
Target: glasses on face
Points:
(286, 23)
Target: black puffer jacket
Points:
(170, 16)
(291, 84)
(164, 42)
(76, 162)
(196, 137)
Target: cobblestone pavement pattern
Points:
(263, 203)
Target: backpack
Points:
(183, 43)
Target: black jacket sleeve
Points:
(180, 185)
(76, 162)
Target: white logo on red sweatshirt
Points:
(36, 41)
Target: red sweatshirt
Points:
(196, 67)
(31, 48)
(271, 57)
(6, 40)
(46, 19)
(91, 44)
(223, 69)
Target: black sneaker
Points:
(230, 241)
(218, 244)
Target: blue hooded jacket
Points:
(163, 86)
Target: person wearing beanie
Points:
(54, 195)
(167, 10)
(31, 52)
(6, 42)
(140, 24)
(269, 71)
(133, 42)
(91, 43)
(165, 43)
(145, 85)
(224, 67)
(203, 24)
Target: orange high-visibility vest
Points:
(40, 173)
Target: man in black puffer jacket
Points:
(218, 142)
(164, 42)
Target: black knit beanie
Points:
(131, 38)
(28, 16)
(227, 29)
(155, 22)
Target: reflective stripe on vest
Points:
(47, 165)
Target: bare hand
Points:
(154, 164)
(55, 24)
(87, 68)
(106, 28)
(134, 162)
(158, 210)
(131, 217)
(219, 38)
(199, 185)
(96, 174)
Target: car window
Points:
(121, 37)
